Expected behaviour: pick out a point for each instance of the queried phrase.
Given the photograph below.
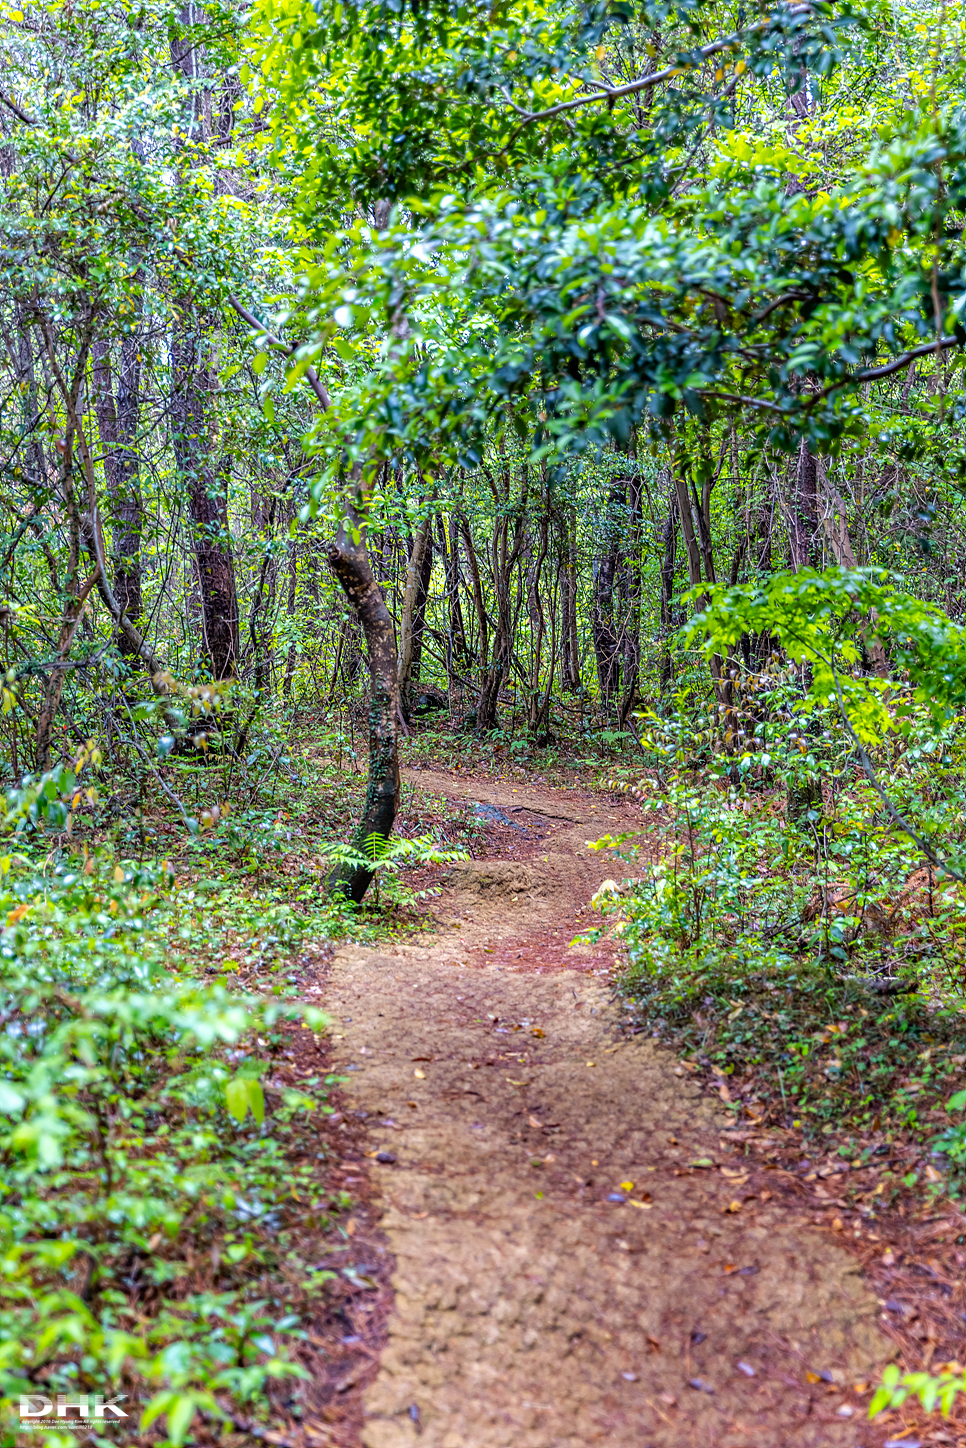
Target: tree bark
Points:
(479, 602)
(668, 565)
(409, 618)
(449, 544)
(350, 564)
(535, 703)
(606, 647)
(632, 623)
(803, 525)
(504, 555)
(117, 425)
(569, 640)
(192, 426)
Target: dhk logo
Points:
(92, 1405)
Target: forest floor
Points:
(581, 1247)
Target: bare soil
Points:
(583, 1253)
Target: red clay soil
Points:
(584, 1253)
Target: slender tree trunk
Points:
(193, 391)
(419, 609)
(479, 602)
(192, 426)
(632, 625)
(350, 564)
(261, 618)
(606, 644)
(118, 424)
(803, 524)
(449, 545)
(422, 546)
(668, 565)
(290, 611)
(504, 559)
(537, 627)
(569, 641)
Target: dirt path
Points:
(532, 1308)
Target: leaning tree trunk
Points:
(350, 564)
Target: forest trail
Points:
(531, 1308)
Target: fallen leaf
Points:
(668, 1398)
(420, 1075)
(536, 1031)
(625, 1186)
(644, 1206)
(653, 1345)
(516, 1083)
(536, 1123)
(591, 1063)
(837, 1224)
(888, 1258)
(765, 1196)
(350, 1228)
(734, 1206)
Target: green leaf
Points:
(10, 1098)
(258, 363)
(256, 1100)
(236, 1093)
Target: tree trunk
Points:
(479, 602)
(632, 623)
(449, 545)
(350, 564)
(668, 565)
(415, 587)
(261, 618)
(604, 625)
(290, 612)
(117, 425)
(803, 510)
(193, 384)
(419, 609)
(537, 628)
(569, 640)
